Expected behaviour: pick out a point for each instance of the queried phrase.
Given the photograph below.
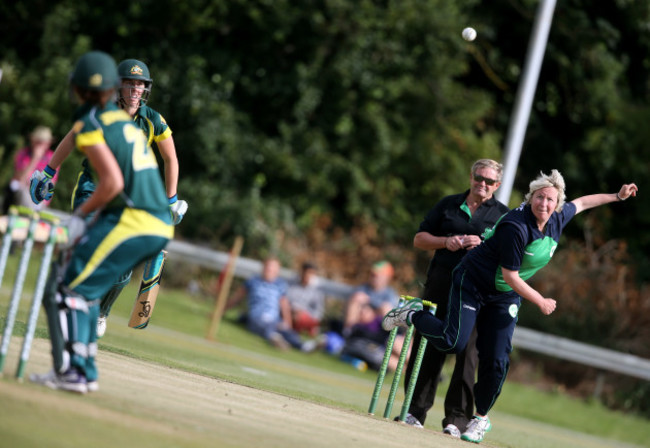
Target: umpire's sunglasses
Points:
(487, 180)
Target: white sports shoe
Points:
(101, 326)
(46, 379)
(476, 429)
(452, 430)
(398, 317)
(92, 386)
(71, 380)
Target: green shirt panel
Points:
(536, 255)
(153, 124)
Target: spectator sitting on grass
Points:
(306, 301)
(268, 314)
(364, 337)
(376, 293)
(367, 342)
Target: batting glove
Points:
(177, 209)
(76, 225)
(41, 187)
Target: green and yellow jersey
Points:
(143, 185)
(153, 125)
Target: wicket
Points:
(428, 306)
(35, 219)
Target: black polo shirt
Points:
(451, 216)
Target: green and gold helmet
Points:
(135, 70)
(95, 70)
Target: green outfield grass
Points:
(523, 415)
(191, 316)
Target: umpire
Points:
(454, 226)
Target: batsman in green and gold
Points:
(125, 221)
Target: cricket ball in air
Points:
(469, 34)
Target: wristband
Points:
(49, 171)
(173, 199)
(619, 198)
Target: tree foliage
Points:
(361, 111)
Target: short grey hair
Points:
(488, 163)
(554, 180)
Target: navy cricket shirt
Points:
(516, 244)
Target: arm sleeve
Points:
(511, 240)
(567, 214)
(431, 222)
(161, 129)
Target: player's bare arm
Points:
(518, 285)
(167, 151)
(62, 151)
(594, 200)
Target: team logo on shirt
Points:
(487, 233)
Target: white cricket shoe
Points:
(476, 429)
(92, 386)
(452, 430)
(45, 379)
(71, 380)
(399, 317)
(101, 326)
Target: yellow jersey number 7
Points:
(143, 157)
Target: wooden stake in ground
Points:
(224, 289)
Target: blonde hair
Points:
(41, 134)
(488, 163)
(554, 180)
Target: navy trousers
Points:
(495, 317)
(459, 401)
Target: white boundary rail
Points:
(523, 338)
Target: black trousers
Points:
(459, 401)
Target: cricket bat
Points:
(146, 300)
